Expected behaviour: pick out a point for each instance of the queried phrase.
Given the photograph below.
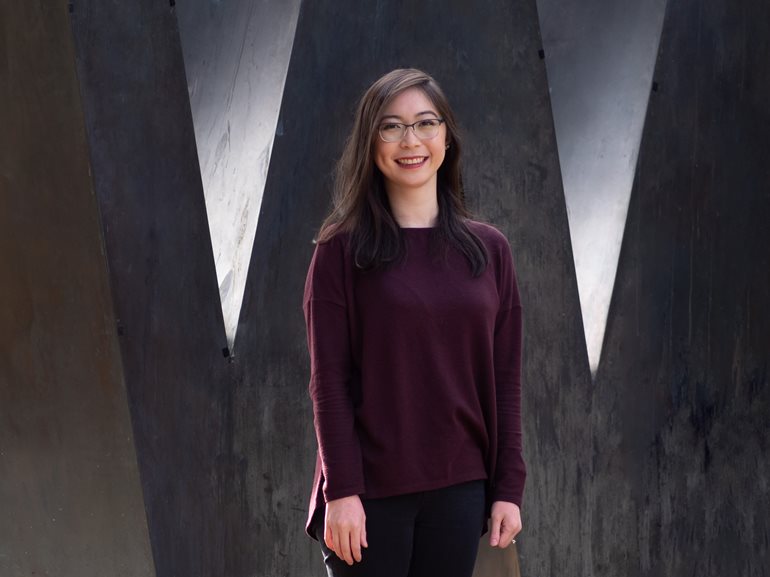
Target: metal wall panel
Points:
(70, 497)
(147, 183)
(682, 480)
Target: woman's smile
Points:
(412, 162)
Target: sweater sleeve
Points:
(326, 317)
(510, 471)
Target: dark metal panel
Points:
(148, 186)
(682, 398)
(487, 60)
(70, 497)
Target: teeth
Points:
(411, 160)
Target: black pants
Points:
(427, 534)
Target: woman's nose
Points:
(410, 137)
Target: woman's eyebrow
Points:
(423, 113)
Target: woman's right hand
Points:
(345, 528)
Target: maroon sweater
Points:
(415, 371)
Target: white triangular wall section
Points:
(600, 59)
(236, 58)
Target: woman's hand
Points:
(506, 523)
(345, 528)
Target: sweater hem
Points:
(474, 475)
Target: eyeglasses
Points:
(423, 129)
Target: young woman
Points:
(414, 332)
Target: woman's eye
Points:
(391, 127)
(428, 123)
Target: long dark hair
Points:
(360, 204)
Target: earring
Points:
(447, 146)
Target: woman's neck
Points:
(414, 209)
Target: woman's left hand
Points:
(506, 523)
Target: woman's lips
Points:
(412, 161)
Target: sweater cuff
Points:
(509, 482)
(508, 497)
(343, 477)
(339, 493)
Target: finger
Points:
(506, 535)
(512, 527)
(355, 542)
(337, 540)
(494, 534)
(364, 542)
(329, 538)
(344, 547)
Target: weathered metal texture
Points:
(70, 497)
(147, 182)
(488, 62)
(236, 54)
(682, 402)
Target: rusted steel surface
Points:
(71, 503)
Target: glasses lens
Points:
(427, 128)
(392, 131)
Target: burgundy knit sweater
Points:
(415, 371)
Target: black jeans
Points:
(427, 534)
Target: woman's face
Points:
(411, 163)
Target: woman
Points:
(414, 332)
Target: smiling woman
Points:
(408, 153)
(414, 331)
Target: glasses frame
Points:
(408, 126)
